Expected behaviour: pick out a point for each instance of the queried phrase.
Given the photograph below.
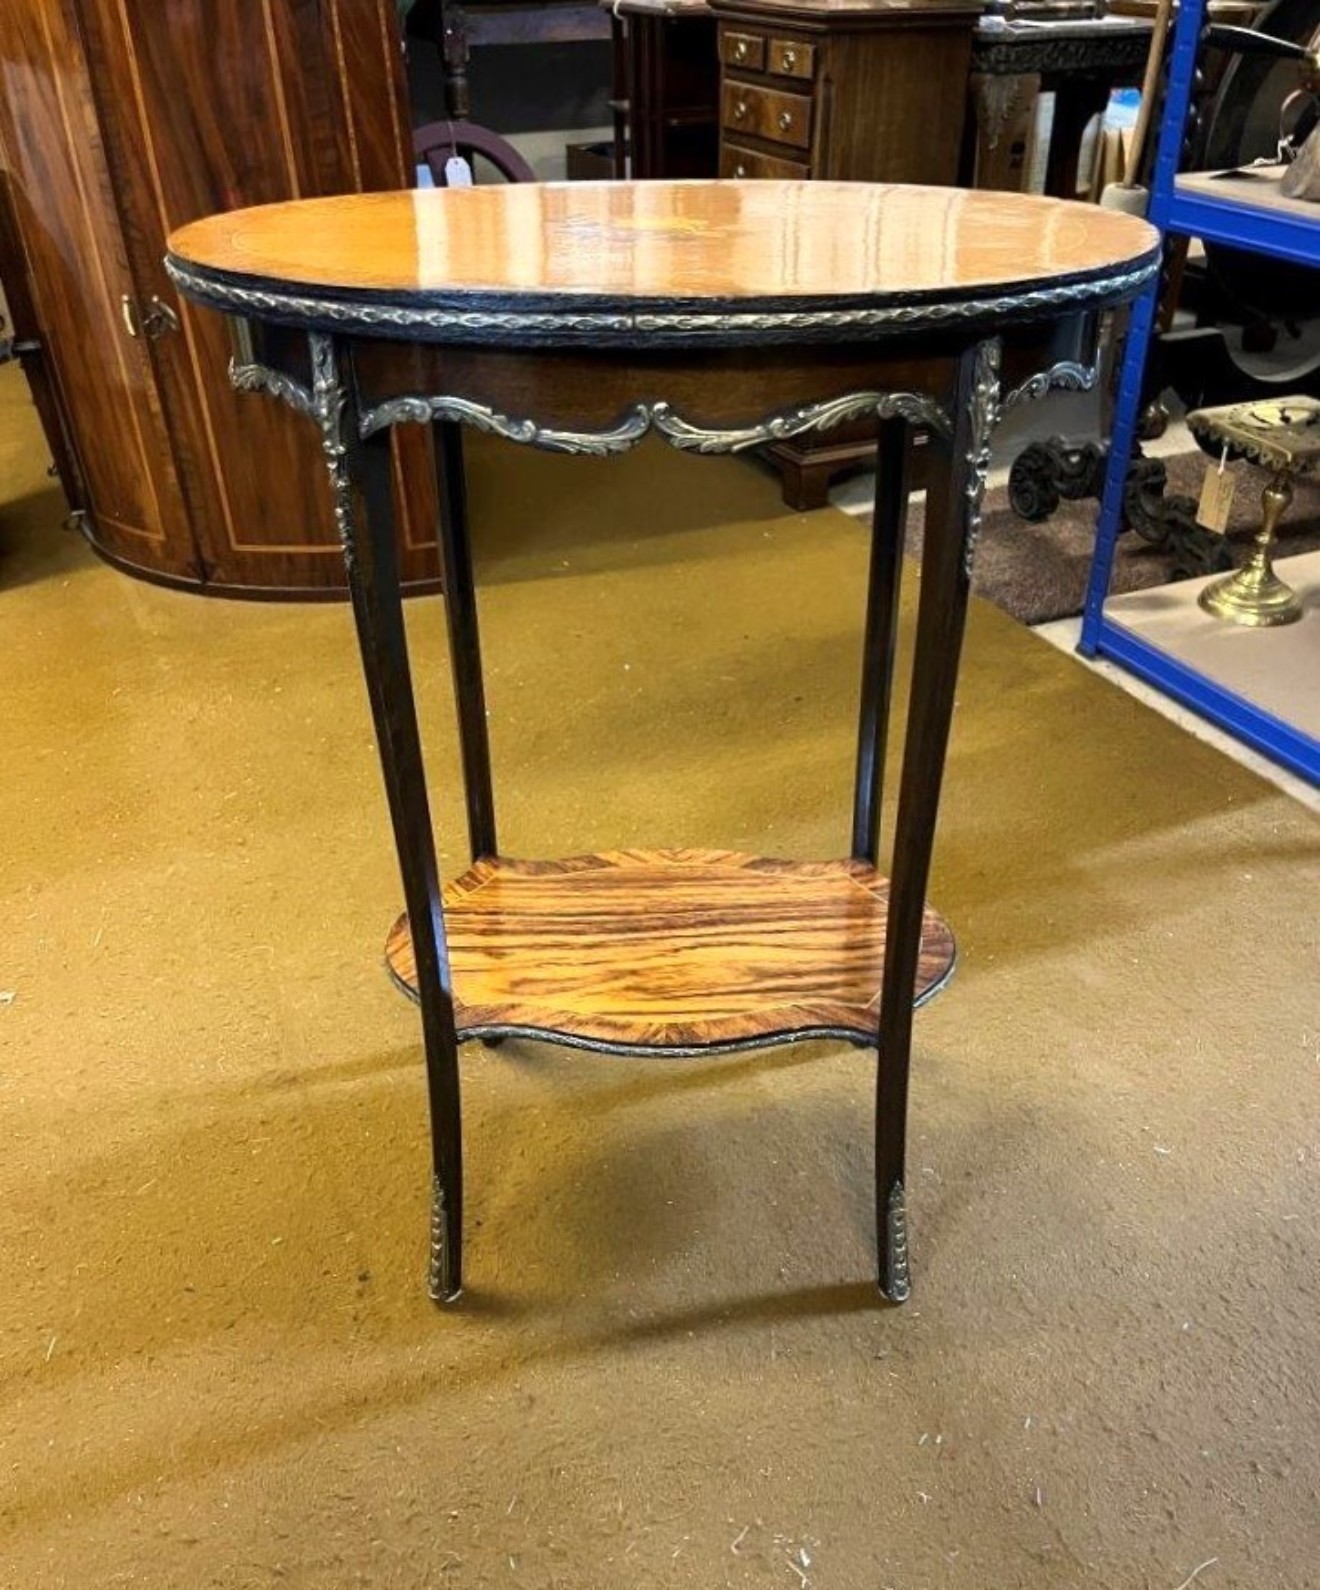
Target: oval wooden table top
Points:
(681, 262)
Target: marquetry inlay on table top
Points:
(667, 240)
(669, 950)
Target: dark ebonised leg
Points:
(360, 475)
(953, 516)
(464, 638)
(891, 500)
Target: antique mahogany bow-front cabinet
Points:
(121, 120)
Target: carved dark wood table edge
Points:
(1080, 61)
(1099, 45)
(323, 293)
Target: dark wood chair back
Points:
(438, 141)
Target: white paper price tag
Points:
(1216, 498)
(458, 174)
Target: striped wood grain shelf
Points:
(670, 951)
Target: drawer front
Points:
(791, 58)
(735, 161)
(742, 49)
(766, 113)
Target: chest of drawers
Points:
(853, 90)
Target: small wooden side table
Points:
(1081, 61)
(721, 315)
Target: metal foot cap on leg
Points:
(444, 1280)
(895, 1282)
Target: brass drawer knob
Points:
(740, 50)
(739, 109)
(785, 120)
(789, 58)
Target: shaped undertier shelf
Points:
(670, 951)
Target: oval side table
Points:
(721, 315)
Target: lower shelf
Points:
(1256, 683)
(670, 951)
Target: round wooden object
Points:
(646, 262)
(670, 951)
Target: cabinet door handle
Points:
(789, 59)
(740, 170)
(159, 319)
(740, 50)
(785, 120)
(739, 109)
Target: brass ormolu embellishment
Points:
(660, 416)
(986, 411)
(1067, 376)
(419, 410)
(440, 1276)
(898, 1287)
(254, 377)
(328, 403)
(457, 323)
(327, 400)
(923, 412)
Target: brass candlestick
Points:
(1255, 594)
(1283, 434)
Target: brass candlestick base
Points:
(1256, 595)
(1283, 435)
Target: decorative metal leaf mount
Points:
(253, 377)
(897, 1283)
(328, 402)
(457, 322)
(440, 1269)
(1066, 376)
(985, 414)
(663, 418)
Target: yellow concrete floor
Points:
(217, 1363)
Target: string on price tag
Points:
(1216, 496)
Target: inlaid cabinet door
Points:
(83, 289)
(212, 105)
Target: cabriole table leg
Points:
(360, 474)
(883, 586)
(958, 466)
(464, 638)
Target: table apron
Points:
(605, 402)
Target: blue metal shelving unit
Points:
(1283, 234)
